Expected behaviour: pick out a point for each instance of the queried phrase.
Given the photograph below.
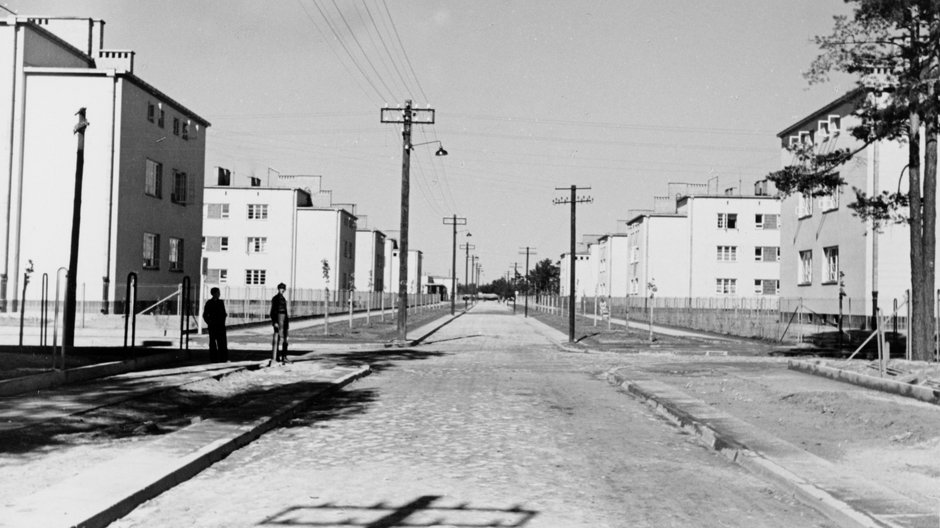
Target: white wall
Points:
(706, 236)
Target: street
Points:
(487, 423)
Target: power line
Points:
(404, 52)
(346, 49)
(387, 51)
(362, 50)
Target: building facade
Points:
(825, 248)
(256, 237)
(144, 157)
(370, 260)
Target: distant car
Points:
(489, 297)
(466, 297)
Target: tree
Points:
(544, 276)
(893, 47)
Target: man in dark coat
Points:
(280, 320)
(214, 315)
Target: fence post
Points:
(909, 352)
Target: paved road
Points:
(487, 424)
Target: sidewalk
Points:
(44, 484)
(861, 456)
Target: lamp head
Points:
(440, 152)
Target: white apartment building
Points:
(144, 157)
(370, 260)
(391, 265)
(734, 245)
(654, 257)
(583, 275)
(712, 246)
(256, 237)
(612, 254)
(823, 242)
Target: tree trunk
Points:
(923, 324)
(918, 272)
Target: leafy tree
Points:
(544, 276)
(893, 47)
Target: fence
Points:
(248, 303)
(770, 318)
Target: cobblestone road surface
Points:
(486, 424)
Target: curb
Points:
(918, 392)
(96, 498)
(815, 481)
(35, 382)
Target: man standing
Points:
(214, 315)
(280, 321)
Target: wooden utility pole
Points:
(454, 221)
(574, 200)
(406, 116)
(528, 251)
(68, 325)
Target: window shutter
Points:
(213, 244)
(770, 287)
(770, 254)
(214, 211)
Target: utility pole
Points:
(406, 116)
(528, 251)
(574, 200)
(454, 221)
(466, 277)
(473, 267)
(68, 324)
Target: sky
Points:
(621, 97)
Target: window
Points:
(726, 286)
(179, 188)
(215, 243)
(831, 265)
(176, 254)
(804, 206)
(767, 221)
(151, 251)
(257, 211)
(829, 202)
(217, 210)
(806, 268)
(225, 177)
(153, 179)
(727, 253)
(257, 244)
(151, 112)
(255, 276)
(766, 287)
(727, 221)
(766, 253)
(186, 130)
(161, 118)
(217, 276)
(176, 126)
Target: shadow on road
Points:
(452, 339)
(420, 512)
(379, 360)
(340, 406)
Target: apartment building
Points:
(713, 245)
(144, 157)
(611, 263)
(584, 283)
(654, 257)
(370, 260)
(255, 237)
(826, 248)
